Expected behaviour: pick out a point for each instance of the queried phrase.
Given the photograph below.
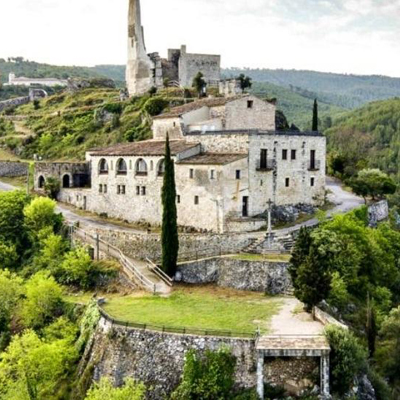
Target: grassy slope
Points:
(198, 307)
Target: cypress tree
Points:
(315, 116)
(169, 234)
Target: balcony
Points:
(314, 165)
(141, 173)
(265, 165)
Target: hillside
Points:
(369, 136)
(348, 91)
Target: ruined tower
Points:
(140, 71)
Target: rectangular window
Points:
(178, 199)
(238, 174)
(196, 200)
(143, 190)
(212, 174)
(287, 182)
(105, 188)
(263, 158)
(284, 154)
(123, 189)
(312, 182)
(293, 157)
(250, 103)
(312, 160)
(191, 173)
(118, 189)
(100, 188)
(137, 190)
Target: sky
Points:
(343, 36)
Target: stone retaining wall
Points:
(14, 102)
(157, 359)
(192, 246)
(13, 169)
(260, 276)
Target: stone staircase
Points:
(279, 244)
(143, 274)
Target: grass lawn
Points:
(19, 182)
(7, 156)
(204, 307)
(263, 257)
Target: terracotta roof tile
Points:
(213, 159)
(144, 148)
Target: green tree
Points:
(373, 183)
(169, 234)
(245, 82)
(104, 390)
(12, 218)
(207, 377)
(76, 268)
(315, 117)
(348, 358)
(32, 368)
(199, 84)
(39, 215)
(52, 187)
(388, 351)
(313, 282)
(300, 252)
(11, 292)
(43, 301)
(8, 256)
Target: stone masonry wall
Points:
(260, 276)
(191, 246)
(14, 102)
(13, 169)
(157, 359)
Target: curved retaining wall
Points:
(259, 276)
(157, 359)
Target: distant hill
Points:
(347, 91)
(368, 137)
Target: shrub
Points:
(36, 104)
(105, 390)
(207, 377)
(52, 188)
(155, 106)
(113, 108)
(348, 358)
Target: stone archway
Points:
(41, 182)
(66, 182)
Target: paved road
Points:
(343, 200)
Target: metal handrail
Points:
(126, 263)
(159, 272)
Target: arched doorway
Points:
(66, 181)
(41, 182)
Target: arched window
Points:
(41, 182)
(66, 181)
(141, 167)
(161, 168)
(103, 166)
(122, 168)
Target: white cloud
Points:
(354, 36)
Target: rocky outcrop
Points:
(378, 212)
(259, 276)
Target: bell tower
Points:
(139, 71)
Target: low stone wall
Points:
(191, 246)
(13, 169)
(259, 276)
(14, 102)
(327, 319)
(157, 359)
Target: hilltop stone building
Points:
(230, 162)
(145, 71)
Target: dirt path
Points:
(292, 320)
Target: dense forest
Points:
(366, 138)
(348, 91)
